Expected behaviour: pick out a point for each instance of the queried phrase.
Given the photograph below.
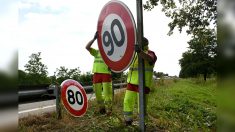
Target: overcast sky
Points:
(60, 29)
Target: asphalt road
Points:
(38, 108)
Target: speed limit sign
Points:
(73, 97)
(117, 35)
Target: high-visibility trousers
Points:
(130, 101)
(102, 86)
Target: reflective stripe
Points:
(133, 76)
(98, 64)
(128, 113)
(136, 69)
(98, 61)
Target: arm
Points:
(150, 57)
(88, 46)
(146, 56)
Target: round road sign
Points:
(74, 97)
(117, 35)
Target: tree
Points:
(36, 70)
(201, 56)
(159, 74)
(75, 73)
(86, 79)
(65, 73)
(197, 15)
(200, 18)
(35, 66)
(118, 77)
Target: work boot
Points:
(102, 111)
(128, 123)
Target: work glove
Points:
(137, 48)
(96, 35)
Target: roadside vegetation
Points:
(174, 105)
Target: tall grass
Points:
(174, 105)
(184, 106)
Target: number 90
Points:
(111, 38)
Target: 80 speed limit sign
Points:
(117, 35)
(74, 97)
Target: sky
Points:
(60, 30)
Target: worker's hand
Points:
(137, 48)
(96, 35)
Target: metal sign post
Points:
(58, 107)
(140, 65)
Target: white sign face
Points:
(117, 35)
(114, 37)
(74, 97)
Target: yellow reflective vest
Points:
(99, 66)
(133, 76)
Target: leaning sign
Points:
(73, 97)
(117, 35)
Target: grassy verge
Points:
(175, 105)
(184, 106)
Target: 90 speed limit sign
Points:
(117, 35)
(74, 97)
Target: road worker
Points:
(131, 94)
(102, 80)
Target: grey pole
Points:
(58, 108)
(141, 65)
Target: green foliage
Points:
(184, 106)
(200, 18)
(116, 75)
(119, 77)
(181, 106)
(86, 79)
(35, 66)
(198, 80)
(64, 73)
(159, 74)
(195, 14)
(201, 56)
(161, 81)
(36, 71)
(175, 80)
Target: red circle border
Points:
(64, 86)
(119, 8)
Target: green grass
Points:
(184, 106)
(175, 105)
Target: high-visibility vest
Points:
(133, 76)
(99, 66)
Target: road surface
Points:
(38, 108)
